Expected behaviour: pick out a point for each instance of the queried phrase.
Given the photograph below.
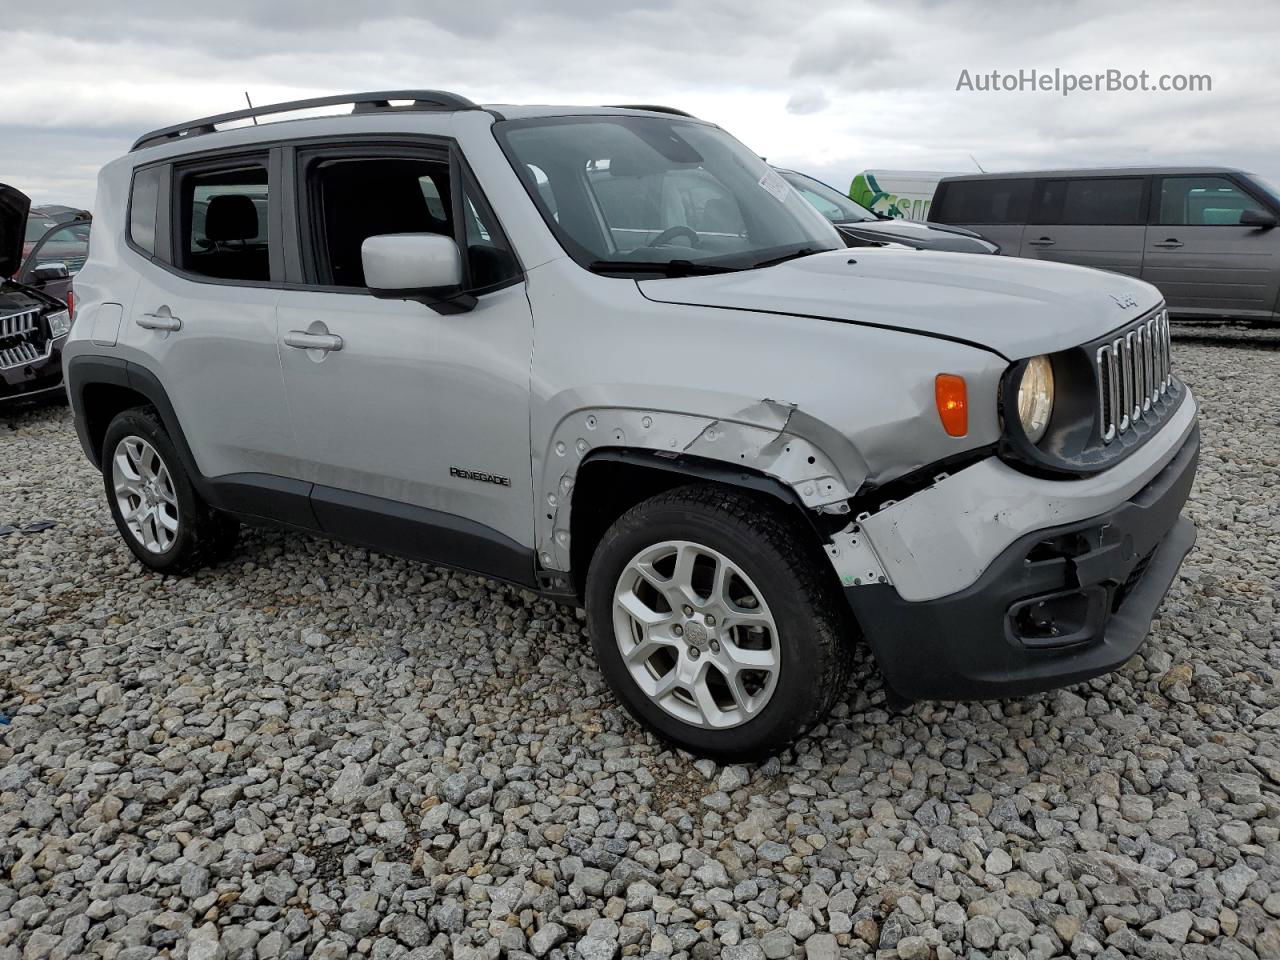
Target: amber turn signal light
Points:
(952, 397)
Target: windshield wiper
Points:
(666, 268)
(793, 255)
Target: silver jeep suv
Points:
(608, 354)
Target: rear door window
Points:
(224, 222)
(1101, 201)
(983, 202)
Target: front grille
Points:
(1135, 369)
(20, 340)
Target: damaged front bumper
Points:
(1058, 605)
(33, 379)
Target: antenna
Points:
(971, 156)
(255, 119)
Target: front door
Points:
(66, 244)
(1202, 259)
(413, 425)
(1089, 221)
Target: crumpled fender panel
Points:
(772, 438)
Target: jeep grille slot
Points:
(20, 340)
(1135, 370)
(19, 324)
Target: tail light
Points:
(71, 302)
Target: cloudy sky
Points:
(829, 88)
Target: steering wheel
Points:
(679, 230)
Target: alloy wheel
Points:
(144, 494)
(696, 634)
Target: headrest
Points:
(231, 216)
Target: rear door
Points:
(1089, 221)
(1204, 262)
(203, 317)
(995, 208)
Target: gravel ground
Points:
(312, 751)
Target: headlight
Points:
(59, 324)
(1035, 397)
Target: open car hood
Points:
(14, 206)
(1015, 307)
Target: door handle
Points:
(313, 341)
(1042, 242)
(159, 321)
(1171, 244)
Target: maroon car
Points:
(34, 323)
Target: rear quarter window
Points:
(144, 200)
(982, 202)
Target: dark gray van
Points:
(1205, 236)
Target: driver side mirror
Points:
(426, 267)
(50, 271)
(1257, 218)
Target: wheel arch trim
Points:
(86, 370)
(768, 446)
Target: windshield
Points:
(1266, 185)
(828, 201)
(626, 193)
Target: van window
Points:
(1202, 202)
(224, 223)
(1102, 201)
(982, 202)
(144, 199)
(352, 198)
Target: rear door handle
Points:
(313, 341)
(1042, 242)
(1171, 244)
(159, 321)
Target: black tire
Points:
(204, 535)
(781, 557)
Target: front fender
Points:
(777, 440)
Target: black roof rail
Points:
(653, 108)
(360, 103)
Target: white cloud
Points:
(838, 88)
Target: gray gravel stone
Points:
(541, 943)
(314, 751)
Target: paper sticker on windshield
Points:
(774, 185)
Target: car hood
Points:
(14, 205)
(923, 236)
(1014, 307)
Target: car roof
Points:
(1137, 171)
(526, 111)
(388, 102)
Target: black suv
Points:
(33, 323)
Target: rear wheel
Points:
(156, 508)
(715, 622)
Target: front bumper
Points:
(29, 381)
(1058, 606)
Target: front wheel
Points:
(715, 622)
